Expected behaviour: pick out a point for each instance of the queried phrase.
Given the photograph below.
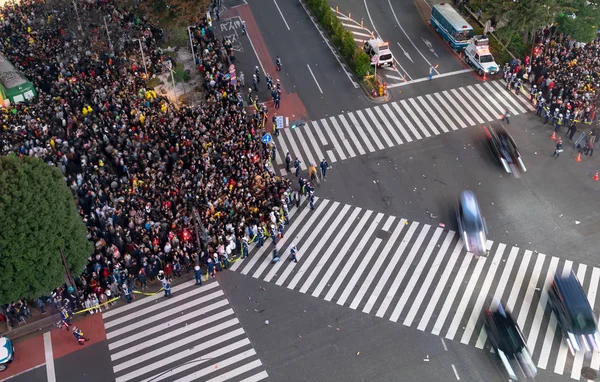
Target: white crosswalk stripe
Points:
(423, 277)
(179, 339)
(361, 132)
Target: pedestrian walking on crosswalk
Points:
(198, 275)
(297, 163)
(273, 233)
(324, 166)
(257, 73)
(312, 200)
(506, 116)
(293, 252)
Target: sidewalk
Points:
(39, 323)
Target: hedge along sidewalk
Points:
(356, 58)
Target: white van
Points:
(380, 52)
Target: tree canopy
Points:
(580, 19)
(38, 216)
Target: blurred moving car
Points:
(7, 352)
(471, 225)
(508, 341)
(505, 149)
(574, 313)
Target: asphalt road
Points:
(404, 24)
(309, 339)
(309, 66)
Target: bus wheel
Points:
(480, 72)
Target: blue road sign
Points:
(267, 138)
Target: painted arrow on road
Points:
(430, 46)
(405, 52)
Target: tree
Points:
(38, 217)
(580, 19)
(524, 17)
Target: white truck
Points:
(478, 55)
(380, 52)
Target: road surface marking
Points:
(309, 257)
(50, 370)
(353, 139)
(354, 83)
(386, 122)
(441, 75)
(345, 248)
(283, 18)
(374, 268)
(483, 293)
(330, 250)
(358, 250)
(416, 274)
(314, 78)
(467, 293)
(266, 248)
(444, 344)
(420, 297)
(499, 291)
(455, 372)
(365, 137)
(387, 300)
(366, 260)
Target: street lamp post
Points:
(143, 57)
(172, 70)
(110, 45)
(191, 43)
(77, 14)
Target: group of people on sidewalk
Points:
(161, 189)
(564, 85)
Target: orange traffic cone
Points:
(578, 159)
(596, 177)
(553, 136)
(484, 76)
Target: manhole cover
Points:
(589, 373)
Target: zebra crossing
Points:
(347, 135)
(193, 336)
(421, 276)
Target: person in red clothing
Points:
(168, 271)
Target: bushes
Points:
(343, 40)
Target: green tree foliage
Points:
(580, 19)
(37, 217)
(523, 17)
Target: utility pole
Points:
(172, 69)
(143, 57)
(110, 45)
(78, 19)
(192, 44)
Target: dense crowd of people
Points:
(160, 188)
(563, 74)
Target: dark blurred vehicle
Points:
(574, 313)
(508, 342)
(470, 224)
(505, 149)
